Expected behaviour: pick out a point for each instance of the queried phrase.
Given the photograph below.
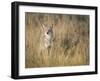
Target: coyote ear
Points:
(43, 26)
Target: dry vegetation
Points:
(70, 45)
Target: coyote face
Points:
(46, 38)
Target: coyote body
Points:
(46, 39)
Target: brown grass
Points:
(70, 45)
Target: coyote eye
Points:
(47, 32)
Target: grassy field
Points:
(70, 45)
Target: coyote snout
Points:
(46, 39)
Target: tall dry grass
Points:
(70, 45)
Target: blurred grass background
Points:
(70, 45)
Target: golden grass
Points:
(70, 45)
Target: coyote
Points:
(46, 38)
